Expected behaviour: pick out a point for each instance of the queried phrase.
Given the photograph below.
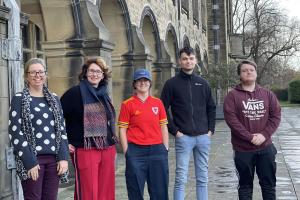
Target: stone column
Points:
(64, 60)
(81, 33)
(124, 68)
(10, 82)
(6, 190)
(162, 70)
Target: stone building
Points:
(128, 34)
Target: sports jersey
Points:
(143, 120)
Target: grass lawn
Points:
(288, 104)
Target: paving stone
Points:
(222, 177)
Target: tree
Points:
(221, 76)
(268, 35)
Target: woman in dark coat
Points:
(90, 119)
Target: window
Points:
(185, 7)
(203, 16)
(32, 38)
(196, 13)
(25, 40)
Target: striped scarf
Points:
(98, 115)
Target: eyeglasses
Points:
(97, 72)
(35, 73)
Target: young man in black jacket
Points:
(192, 123)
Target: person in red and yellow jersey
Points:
(144, 139)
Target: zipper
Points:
(192, 108)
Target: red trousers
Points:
(94, 174)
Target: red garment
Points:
(143, 120)
(247, 113)
(94, 174)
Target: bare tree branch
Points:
(268, 35)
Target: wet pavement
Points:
(222, 176)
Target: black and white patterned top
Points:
(44, 131)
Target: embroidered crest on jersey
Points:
(155, 110)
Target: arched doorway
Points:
(114, 14)
(172, 44)
(150, 32)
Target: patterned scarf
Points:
(27, 129)
(98, 115)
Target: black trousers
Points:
(147, 163)
(263, 161)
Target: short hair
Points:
(238, 69)
(98, 61)
(31, 62)
(187, 50)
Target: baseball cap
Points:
(141, 73)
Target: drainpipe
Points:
(216, 27)
(179, 33)
(12, 52)
(216, 47)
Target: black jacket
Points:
(192, 105)
(72, 105)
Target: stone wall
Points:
(5, 177)
(128, 34)
(166, 13)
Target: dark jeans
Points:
(46, 186)
(147, 163)
(263, 161)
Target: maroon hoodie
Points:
(247, 113)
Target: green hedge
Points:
(294, 91)
(281, 94)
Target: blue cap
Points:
(141, 73)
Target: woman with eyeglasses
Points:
(90, 124)
(37, 133)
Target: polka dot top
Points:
(42, 120)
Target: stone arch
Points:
(149, 27)
(186, 41)
(47, 16)
(150, 34)
(165, 69)
(34, 9)
(80, 33)
(32, 32)
(115, 16)
(172, 43)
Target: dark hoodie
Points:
(247, 113)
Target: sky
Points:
(292, 7)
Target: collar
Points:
(140, 100)
(185, 75)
